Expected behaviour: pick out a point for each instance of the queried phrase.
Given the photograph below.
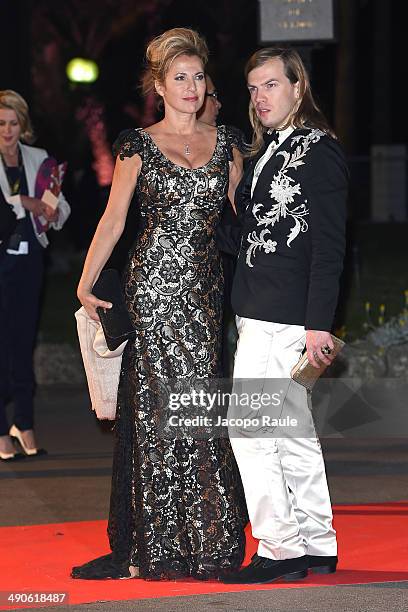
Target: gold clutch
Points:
(305, 374)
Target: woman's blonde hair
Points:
(163, 50)
(10, 99)
(306, 111)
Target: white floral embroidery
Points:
(283, 191)
(269, 246)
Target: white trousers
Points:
(284, 477)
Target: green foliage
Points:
(377, 295)
(376, 304)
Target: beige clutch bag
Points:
(305, 374)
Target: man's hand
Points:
(315, 342)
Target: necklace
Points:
(13, 181)
(178, 136)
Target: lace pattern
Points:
(177, 506)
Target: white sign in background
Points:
(295, 20)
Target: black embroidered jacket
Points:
(292, 234)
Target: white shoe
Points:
(31, 449)
(7, 452)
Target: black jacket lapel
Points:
(272, 166)
(243, 191)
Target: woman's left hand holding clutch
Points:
(90, 302)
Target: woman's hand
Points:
(34, 205)
(49, 213)
(90, 302)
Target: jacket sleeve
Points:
(64, 210)
(327, 196)
(228, 233)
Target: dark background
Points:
(358, 81)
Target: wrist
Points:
(83, 290)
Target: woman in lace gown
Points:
(177, 505)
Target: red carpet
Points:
(373, 547)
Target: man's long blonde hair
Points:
(306, 111)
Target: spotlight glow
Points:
(80, 70)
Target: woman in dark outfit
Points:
(24, 222)
(177, 506)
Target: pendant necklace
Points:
(187, 149)
(14, 183)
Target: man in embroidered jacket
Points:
(292, 206)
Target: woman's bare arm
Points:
(109, 230)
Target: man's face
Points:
(272, 94)
(208, 113)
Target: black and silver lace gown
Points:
(177, 505)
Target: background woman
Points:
(176, 505)
(21, 270)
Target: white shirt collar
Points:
(283, 135)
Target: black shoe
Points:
(101, 568)
(11, 456)
(262, 570)
(321, 564)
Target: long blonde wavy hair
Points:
(306, 111)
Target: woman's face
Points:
(184, 86)
(10, 129)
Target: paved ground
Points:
(73, 483)
(390, 597)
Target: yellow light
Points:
(80, 70)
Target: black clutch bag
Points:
(116, 322)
